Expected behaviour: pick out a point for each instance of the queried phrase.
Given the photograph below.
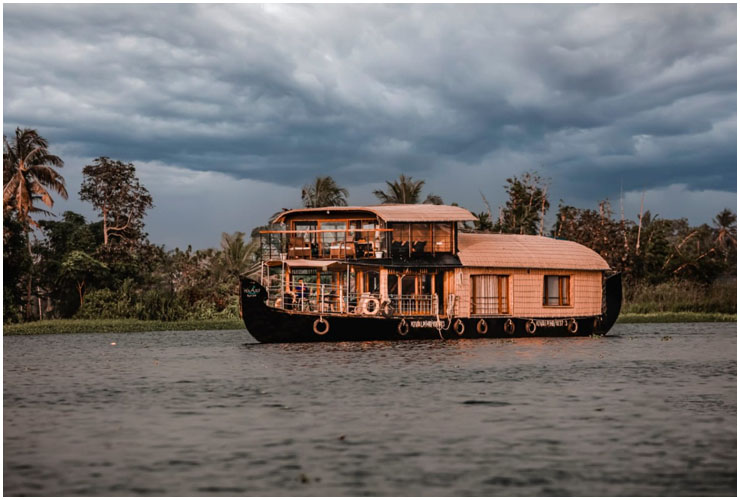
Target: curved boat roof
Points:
(396, 213)
(524, 251)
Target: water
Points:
(650, 410)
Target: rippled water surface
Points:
(649, 410)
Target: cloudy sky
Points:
(227, 110)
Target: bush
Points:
(11, 309)
(106, 304)
(682, 296)
(160, 305)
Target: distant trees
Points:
(482, 222)
(80, 267)
(237, 256)
(323, 192)
(28, 175)
(114, 190)
(526, 207)
(107, 268)
(656, 250)
(405, 190)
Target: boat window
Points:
(421, 238)
(305, 226)
(372, 282)
(557, 291)
(400, 245)
(490, 294)
(335, 233)
(442, 237)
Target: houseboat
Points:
(390, 272)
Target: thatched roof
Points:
(523, 251)
(396, 213)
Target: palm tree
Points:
(726, 230)
(483, 222)
(405, 191)
(433, 199)
(324, 192)
(28, 174)
(236, 255)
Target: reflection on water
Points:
(650, 410)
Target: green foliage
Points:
(118, 326)
(28, 175)
(78, 268)
(405, 191)
(16, 266)
(677, 317)
(483, 222)
(526, 206)
(324, 192)
(681, 296)
(114, 190)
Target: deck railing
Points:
(415, 305)
(331, 299)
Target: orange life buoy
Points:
(531, 327)
(482, 326)
(509, 327)
(316, 324)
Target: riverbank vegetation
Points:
(66, 267)
(134, 325)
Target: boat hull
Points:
(271, 325)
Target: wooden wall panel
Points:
(526, 292)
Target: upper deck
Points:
(387, 232)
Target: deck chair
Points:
(418, 247)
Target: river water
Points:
(648, 410)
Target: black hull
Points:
(270, 325)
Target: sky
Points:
(227, 110)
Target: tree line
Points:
(108, 268)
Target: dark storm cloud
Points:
(592, 96)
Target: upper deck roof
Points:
(523, 251)
(395, 213)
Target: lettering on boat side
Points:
(252, 292)
(550, 322)
(427, 324)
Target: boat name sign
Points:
(550, 322)
(427, 324)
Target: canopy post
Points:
(347, 301)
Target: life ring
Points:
(316, 324)
(531, 327)
(403, 328)
(388, 309)
(482, 326)
(459, 326)
(573, 326)
(371, 310)
(509, 327)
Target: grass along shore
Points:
(134, 325)
(118, 326)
